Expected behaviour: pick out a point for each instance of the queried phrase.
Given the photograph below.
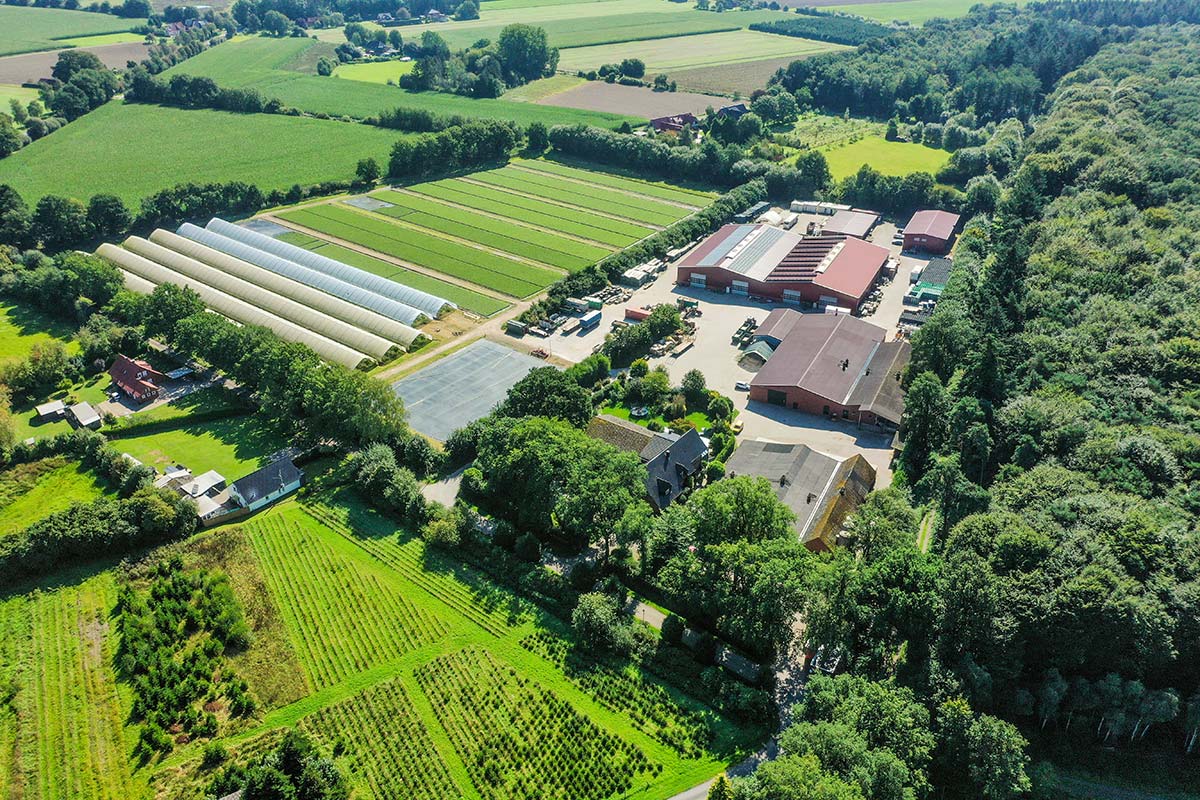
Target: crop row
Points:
(345, 618)
(387, 744)
(544, 246)
(426, 249)
(649, 706)
(518, 740)
(607, 201)
(574, 221)
(407, 559)
(662, 191)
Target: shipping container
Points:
(636, 314)
(590, 320)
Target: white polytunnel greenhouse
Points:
(231, 307)
(365, 342)
(430, 304)
(135, 284)
(309, 277)
(346, 311)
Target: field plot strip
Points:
(678, 194)
(598, 200)
(487, 269)
(614, 233)
(544, 246)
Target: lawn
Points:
(544, 246)
(375, 71)
(916, 12)
(702, 50)
(697, 418)
(31, 491)
(93, 153)
(464, 298)
(23, 328)
(21, 94)
(25, 30)
(889, 158)
(90, 390)
(613, 232)
(267, 64)
(233, 447)
(481, 267)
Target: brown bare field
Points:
(726, 79)
(632, 100)
(30, 67)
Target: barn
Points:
(930, 232)
(837, 366)
(762, 261)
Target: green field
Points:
(10, 92)
(464, 298)
(94, 153)
(889, 158)
(539, 245)
(505, 275)
(664, 191)
(29, 492)
(99, 40)
(266, 64)
(23, 328)
(539, 89)
(25, 30)
(916, 12)
(233, 447)
(616, 233)
(374, 71)
(703, 50)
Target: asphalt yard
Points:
(462, 387)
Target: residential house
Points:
(674, 123)
(265, 486)
(136, 378)
(673, 461)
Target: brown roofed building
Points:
(672, 460)
(136, 378)
(764, 261)
(930, 231)
(674, 123)
(821, 490)
(838, 366)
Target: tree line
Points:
(825, 28)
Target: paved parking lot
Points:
(461, 387)
(713, 355)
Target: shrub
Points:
(600, 625)
(214, 755)
(444, 530)
(504, 535)
(672, 629)
(714, 471)
(583, 575)
(706, 648)
(528, 548)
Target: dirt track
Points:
(29, 67)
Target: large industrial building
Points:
(763, 261)
(930, 232)
(834, 365)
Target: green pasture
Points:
(24, 29)
(23, 328)
(702, 50)
(915, 12)
(101, 39)
(374, 71)
(481, 304)
(551, 187)
(543, 246)
(22, 94)
(541, 89)
(94, 153)
(663, 191)
(233, 447)
(603, 230)
(264, 64)
(505, 275)
(889, 158)
(29, 492)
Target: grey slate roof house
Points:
(265, 486)
(672, 460)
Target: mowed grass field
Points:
(284, 69)
(889, 158)
(96, 153)
(23, 328)
(513, 230)
(233, 447)
(481, 304)
(441, 684)
(704, 50)
(375, 71)
(31, 491)
(26, 30)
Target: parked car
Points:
(737, 426)
(742, 386)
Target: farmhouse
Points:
(820, 489)
(265, 486)
(675, 122)
(672, 460)
(858, 224)
(735, 111)
(930, 231)
(136, 378)
(834, 365)
(763, 261)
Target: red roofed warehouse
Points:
(930, 231)
(136, 378)
(835, 365)
(770, 262)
